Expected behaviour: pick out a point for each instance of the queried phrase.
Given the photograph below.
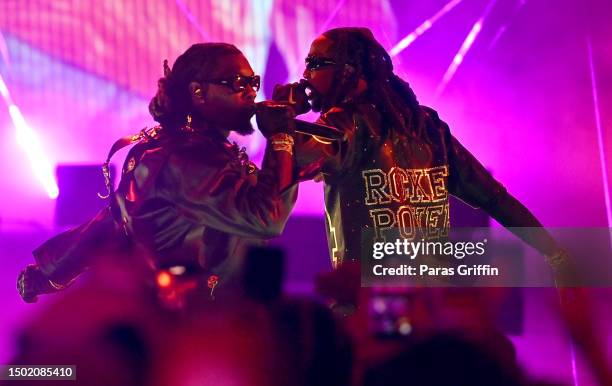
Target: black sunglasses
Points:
(314, 63)
(238, 83)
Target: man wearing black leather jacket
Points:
(188, 200)
(398, 161)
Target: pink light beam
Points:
(30, 143)
(192, 19)
(332, 15)
(4, 50)
(504, 27)
(421, 29)
(465, 47)
(600, 142)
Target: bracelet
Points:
(283, 147)
(282, 137)
(282, 142)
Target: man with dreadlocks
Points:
(398, 161)
(188, 199)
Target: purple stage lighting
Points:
(600, 140)
(421, 29)
(465, 47)
(29, 141)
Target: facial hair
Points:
(244, 128)
(316, 104)
(243, 125)
(315, 100)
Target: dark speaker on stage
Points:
(263, 274)
(78, 199)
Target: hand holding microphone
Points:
(294, 94)
(274, 118)
(277, 115)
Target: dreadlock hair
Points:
(389, 93)
(172, 102)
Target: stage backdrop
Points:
(512, 78)
(526, 85)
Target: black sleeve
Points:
(471, 182)
(65, 256)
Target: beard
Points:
(322, 103)
(316, 101)
(244, 128)
(316, 104)
(242, 124)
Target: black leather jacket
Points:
(190, 199)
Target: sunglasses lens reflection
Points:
(241, 82)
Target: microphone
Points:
(310, 128)
(317, 129)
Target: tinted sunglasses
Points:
(314, 63)
(238, 83)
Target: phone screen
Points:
(390, 312)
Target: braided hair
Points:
(172, 102)
(389, 93)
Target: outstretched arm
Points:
(470, 181)
(62, 258)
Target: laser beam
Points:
(463, 50)
(30, 143)
(502, 29)
(332, 15)
(420, 30)
(600, 142)
(192, 19)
